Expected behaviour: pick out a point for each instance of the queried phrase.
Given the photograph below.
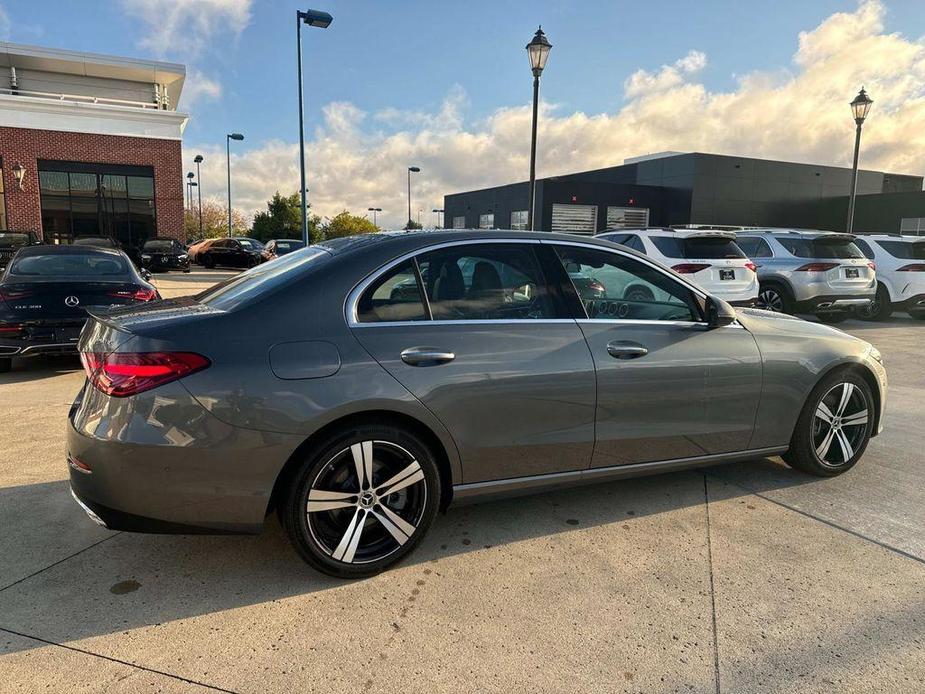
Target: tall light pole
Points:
(860, 107)
(189, 191)
(374, 210)
(228, 138)
(322, 20)
(438, 213)
(198, 160)
(411, 170)
(538, 51)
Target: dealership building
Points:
(90, 145)
(674, 188)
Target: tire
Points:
(5, 365)
(209, 262)
(881, 308)
(392, 525)
(774, 297)
(808, 451)
(918, 315)
(832, 318)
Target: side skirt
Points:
(517, 486)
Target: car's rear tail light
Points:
(10, 329)
(872, 265)
(817, 267)
(124, 374)
(914, 267)
(11, 294)
(689, 268)
(751, 266)
(140, 294)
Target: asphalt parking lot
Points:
(744, 578)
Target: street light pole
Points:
(228, 138)
(321, 20)
(538, 51)
(374, 210)
(860, 107)
(198, 161)
(438, 212)
(411, 170)
(189, 190)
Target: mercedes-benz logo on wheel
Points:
(71, 301)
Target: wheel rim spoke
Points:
(363, 460)
(824, 413)
(347, 547)
(398, 527)
(846, 392)
(322, 500)
(846, 448)
(823, 448)
(408, 476)
(856, 419)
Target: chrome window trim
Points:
(353, 297)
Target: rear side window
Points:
(486, 282)
(906, 251)
(396, 296)
(821, 248)
(865, 248)
(697, 247)
(259, 280)
(754, 247)
(70, 265)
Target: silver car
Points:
(817, 272)
(360, 385)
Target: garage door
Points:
(627, 217)
(575, 219)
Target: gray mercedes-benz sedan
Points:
(360, 385)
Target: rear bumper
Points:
(43, 337)
(834, 303)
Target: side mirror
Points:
(719, 313)
(145, 275)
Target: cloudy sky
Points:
(446, 86)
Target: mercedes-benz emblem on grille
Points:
(71, 301)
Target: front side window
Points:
(615, 287)
(485, 282)
(487, 221)
(754, 246)
(396, 296)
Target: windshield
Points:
(161, 245)
(8, 240)
(904, 250)
(709, 247)
(821, 248)
(69, 264)
(259, 280)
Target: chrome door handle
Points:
(626, 350)
(426, 356)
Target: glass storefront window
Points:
(97, 203)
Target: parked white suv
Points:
(900, 262)
(710, 258)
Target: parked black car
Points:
(277, 247)
(12, 241)
(164, 254)
(234, 252)
(46, 290)
(108, 242)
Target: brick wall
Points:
(27, 146)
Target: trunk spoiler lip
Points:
(101, 315)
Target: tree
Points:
(283, 219)
(214, 221)
(413, 225)
(346, 224)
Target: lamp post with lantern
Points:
(860, 107)
(538, 51)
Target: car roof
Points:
(907, 238)
(288, 240)
(796, 233)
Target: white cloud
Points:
(800, 115)
(186, 26)
(198, 87)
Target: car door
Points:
(668, 386)
(492, 354)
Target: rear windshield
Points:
(288, 246)
(8, 240)
(95, 241)
(259, 280)
(821, 248)
(697, 247)
(904, 250)
(69, 265)
(161, 245)
(249, 245)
